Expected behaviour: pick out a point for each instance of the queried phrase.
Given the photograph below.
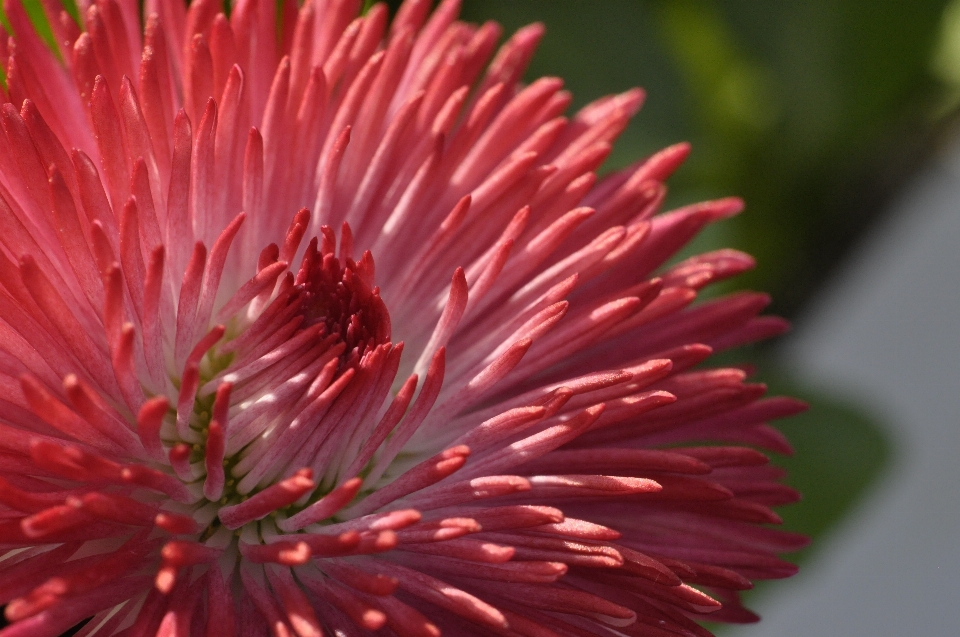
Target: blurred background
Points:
(835, 121)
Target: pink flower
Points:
(219, 417)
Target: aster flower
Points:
(318, 324)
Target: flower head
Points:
(315, 324)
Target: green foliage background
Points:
(813, 111)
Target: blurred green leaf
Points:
(813, 111)
(840, 449)
(839, 452)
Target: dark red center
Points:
(339, 292)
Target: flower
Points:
(314, 324)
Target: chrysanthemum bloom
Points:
(219, 418)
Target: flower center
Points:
(280, 390)
(339, 293)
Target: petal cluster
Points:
(317, 324)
